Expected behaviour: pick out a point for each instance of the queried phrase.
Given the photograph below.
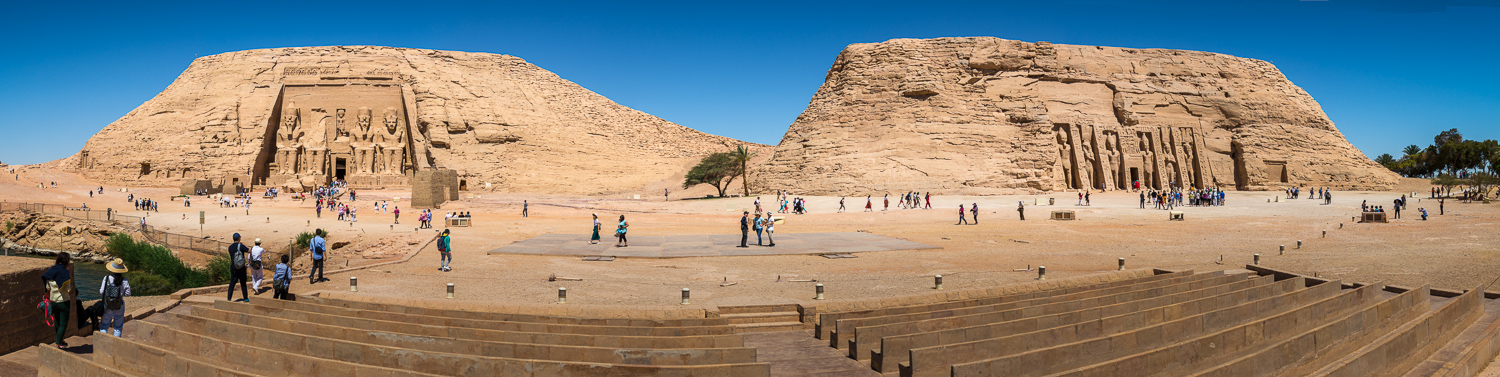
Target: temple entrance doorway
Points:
(1135, 176)
(338, 168)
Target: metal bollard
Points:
(1122, 264)
(685, 294)
(1041, 272)
(1283, 249)
(820, 291)
(1299, 244)
(1257, 259)
(353, 284)
(1325, 234)
(562, 295)
(937, 282)
(450, 290)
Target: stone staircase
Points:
(1254, 322)
(1234, 323)
(329, 337)
(762, 318)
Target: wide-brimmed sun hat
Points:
(117, 266)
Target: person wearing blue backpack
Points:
(114, 288)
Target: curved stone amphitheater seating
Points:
(1247, 323)
(1256, 322)
(326, 337)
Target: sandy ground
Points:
(1455, 250)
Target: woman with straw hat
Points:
(113, 289)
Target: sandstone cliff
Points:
(495, 119)
(987, 115)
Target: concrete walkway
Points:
(797, 353)
(708, 245)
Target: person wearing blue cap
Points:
(316, 248)
(237, 266)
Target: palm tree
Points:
(742, 156)
(1412, 150)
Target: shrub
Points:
(218, 270)
(305, 238)
(145, 284)
(156, 260)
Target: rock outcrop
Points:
(297, 117)
(994, 116)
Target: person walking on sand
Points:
(238, 255)
(867, 204)
(281, 281)
(113, 289)
(620, 233)
(316, 247)
(757, 205)
(770, 228)
(257, 274)
(974, 210)
(59, 281)
(744, 229)
(929, 200)
(445, 251)
(594, 239)
(961, 219)
(1021, 209)
(759, 225)
(841, 204)
(525, 207)
(398, 214)
(887, 203)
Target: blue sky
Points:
(1389, 73)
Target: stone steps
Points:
(942, 349)
(867, 339)
(767, 326)
(419, 328)
(1271, 324)
(609, 355)
(753, 318)
(844, 332)
(826, 323)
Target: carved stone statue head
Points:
(289, 119)
(391, 120)
(364, 119)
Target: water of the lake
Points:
(90, 275)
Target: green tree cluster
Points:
(718, 170)
(1449, 154)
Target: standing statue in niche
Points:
(364, 150)
(288, 139)
(340, 130)
(390, 143)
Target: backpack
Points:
(237, 255)
(114, 296)
(443, 244)
(56, 292)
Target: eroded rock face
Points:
(993, 116)
(297, 117)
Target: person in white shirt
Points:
(256, 274)
(113, 289)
